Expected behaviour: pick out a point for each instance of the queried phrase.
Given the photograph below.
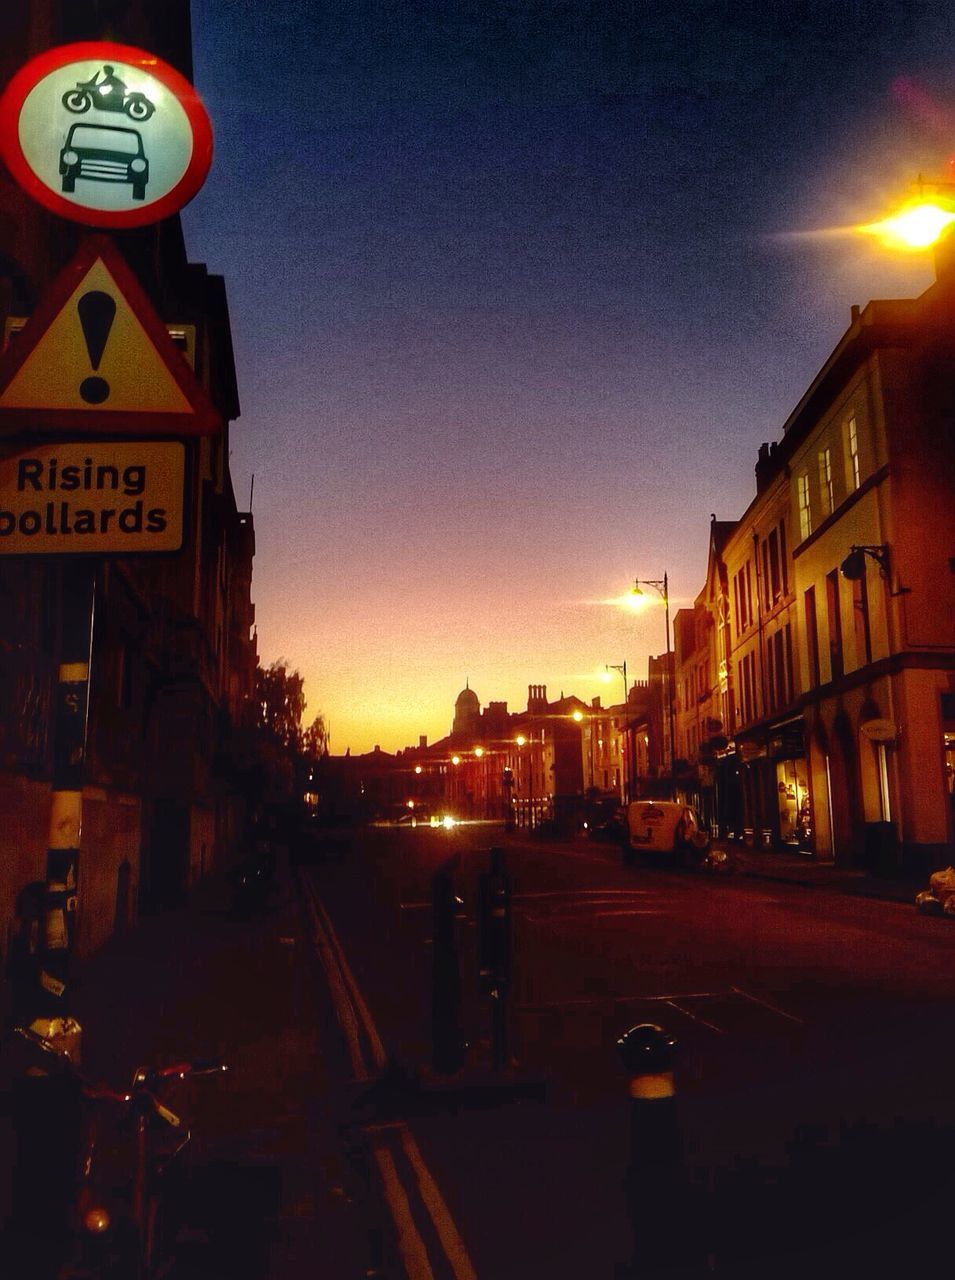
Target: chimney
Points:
(422, 742)
(767, 465)
(536, 697)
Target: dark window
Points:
(782, 556)
(812, 637)
(775, 582)
(739, 616)
(790, 684)
(860, 616)
(776, 684)
(836, 663)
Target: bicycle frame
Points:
(128, 1141)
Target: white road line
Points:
(343, 1005)
(627, 911)
(766, 1005)
(696, 1018)
(448, 1233)
(412, 1248)
(583, 1002)
(349, 1001)
(579, 915)
(580, 893)
(357, 1000)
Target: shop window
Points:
(882, 762)
(795, 812)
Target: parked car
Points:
(668, 828)
(607, 820)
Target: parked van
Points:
(666, 827)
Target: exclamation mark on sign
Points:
(97, 311)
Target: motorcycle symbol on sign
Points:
(109, 94)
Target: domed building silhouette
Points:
(467, 713)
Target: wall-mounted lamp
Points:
(853, 567)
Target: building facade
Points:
(173, 645)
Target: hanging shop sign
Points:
(105, 134)
(95, 357)
(93, 498)
(878, 730)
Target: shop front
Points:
(793, 816)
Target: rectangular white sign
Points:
(93, 498)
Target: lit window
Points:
(852, 441)
(805, 514)
(825, 480)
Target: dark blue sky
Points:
(515, 300)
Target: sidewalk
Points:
(805, 870)
(199, 983)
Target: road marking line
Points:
(451, 1242)
(627, 911)
(696, 1018)
(584, 1001)
(766, 1005)
(358, 1003)
(343, 1005)
(581, 893)
(579, 915)
(410, 1245)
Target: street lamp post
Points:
(622, 668)
(661, 586)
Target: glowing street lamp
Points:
(922, 221)
(662, 588)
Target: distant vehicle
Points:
(666, 827)
(607, 820)
(104, 153)
(317, 841)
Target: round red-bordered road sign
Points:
(105, 134)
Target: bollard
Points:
(448, 1044)
(494, 950)
(656, 1183)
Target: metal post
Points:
(670, 678)
(494, 950)
(47, 1103)
(655, 1180)
(66, 801)
(448, 1045)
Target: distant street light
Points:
(663, 589)
(622, 668)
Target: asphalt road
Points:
(815, 1043)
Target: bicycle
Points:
(129, 1142)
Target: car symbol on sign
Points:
(104, 153)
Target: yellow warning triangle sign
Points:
(95, 356)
